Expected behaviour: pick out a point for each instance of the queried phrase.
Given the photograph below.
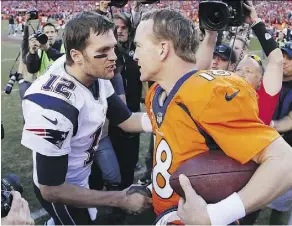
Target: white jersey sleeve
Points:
(51, 117)
(47, 130)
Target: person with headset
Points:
(126, 145)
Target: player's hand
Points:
(141, 189)
(19, 213)
(193, 209)
(136, 202)
(252, 15)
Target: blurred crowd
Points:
(272, 12)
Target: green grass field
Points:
(14, 157)
(17, 159)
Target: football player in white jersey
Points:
(64, 112)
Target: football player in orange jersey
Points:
(197, 111)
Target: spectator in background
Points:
(41, 56)
(102, 7)
(221, 57)
(281, 39)
(267, 82)
(287, 32)
(27, 77)
(11, 29)
(126, 145)
(282, 122)
(19, 23)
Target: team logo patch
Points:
(131, 53)
(268, 36)
(55, 137)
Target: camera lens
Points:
(216, 17)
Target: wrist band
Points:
(267, 42)
(226, 211)
(146, 123)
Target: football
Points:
(213, 175)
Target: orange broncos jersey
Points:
(205, 110)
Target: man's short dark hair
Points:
(78, 29)
(49, 24)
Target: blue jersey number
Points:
(63, 86)
(90, 152)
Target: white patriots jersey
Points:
(63, 117)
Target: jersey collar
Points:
(159, 111)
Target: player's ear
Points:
(164, 50)
(76, 56)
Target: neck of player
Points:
(172, 72)
(77, 73)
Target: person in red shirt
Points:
(267, 82)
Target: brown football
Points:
(213, 175)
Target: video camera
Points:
(8, 184)
(34, 15)
(219, 15)
(40, 36)
(14, 77)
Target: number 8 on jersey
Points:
(161, 175)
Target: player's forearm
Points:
(69, 194)
(137, 123)
(204, 54)
(272, 178)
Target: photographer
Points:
(28, 78)
(41, 56)
(19, 213)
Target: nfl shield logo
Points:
(159, 117)
(131, 53)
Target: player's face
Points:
(51, 33)
(287, 66)
(218, 63)
(122, 30)
(248, 70)
(99, 58)
(147, 53)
